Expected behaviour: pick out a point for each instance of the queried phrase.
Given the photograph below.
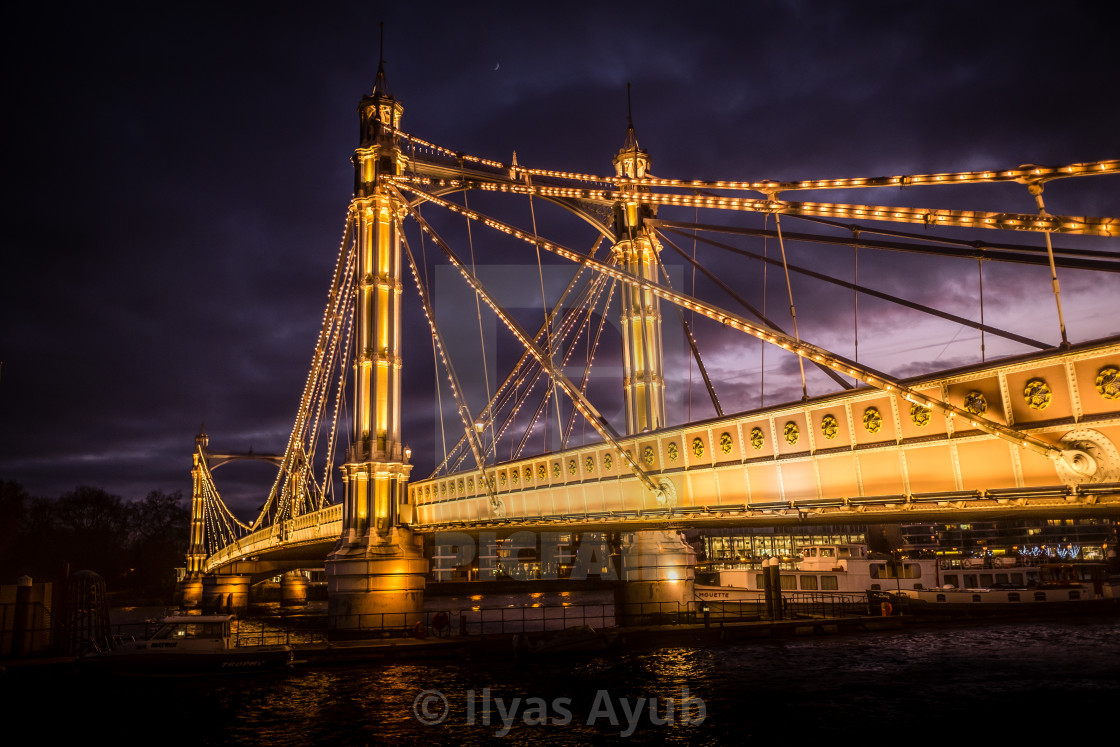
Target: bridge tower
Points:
(657, 566)
(376, 572)
(190, 589)
(636, 251)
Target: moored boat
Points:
(837, 569)
(189, 645)
(1076, 587)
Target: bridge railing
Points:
(326, 522)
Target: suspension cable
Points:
(692, 345)
(980, 273)
(544, 305)
(1035, 188)
(469, 427)
(589, 411)
(865, 374)
(477, 302)
(870, 292)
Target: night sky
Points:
(178, 184)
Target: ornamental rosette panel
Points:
(830, 428)
(975, 403)
(757, 439)
(1037, 393)
(1108, 382)
(920, 415)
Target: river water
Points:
(944, 683)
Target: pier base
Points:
(376, 583)
(293, 589)
(224, 593)
(659, 571)
(189, 594)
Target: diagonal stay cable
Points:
(746, 304)
(735, 321)
(868, 291)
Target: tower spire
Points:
(381, 83)
(631, 142)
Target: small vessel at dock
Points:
(823, 569)
(187, 645)
(1075, 587)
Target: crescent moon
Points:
(498, 65)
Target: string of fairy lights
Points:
(929, 217)
(296, 488)
(1023, 174)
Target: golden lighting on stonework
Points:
(1037, 394)
(975, 403)
(647, 455)
(757, 439)
(829, 427)
(725, 443)
(791, 433)
(920, 415)
(697, 447)
(673, 451)
(872, 420)
(1108, 382)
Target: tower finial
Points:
(631, 138)
(629, 111)
(381, 85)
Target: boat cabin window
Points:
(828, 552)
(830, 583)
(811, 552)
(808, 583)
(759, 583)
(976, 597)
(845, 552)
(1074, 594)
(789, 583)
(970, 581)
(986, 579)
(1040, 596)
(1017, 578)
(895, 570)
(952, 580)
(941, 597)
(1013, 596)
(191, 630)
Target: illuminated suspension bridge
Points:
(1033, 432)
